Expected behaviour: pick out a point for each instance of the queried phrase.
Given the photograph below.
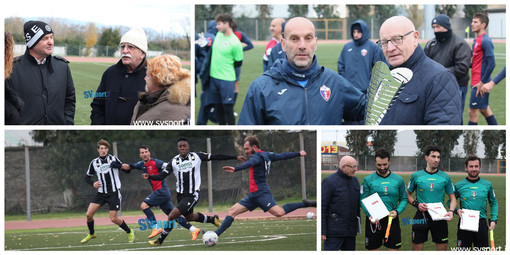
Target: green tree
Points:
(447, 9)
(445, 139)
(384, 139)
(493, 141)
(358, 11)
(471, 10)
(357, 142)
(109, 38)
(325, 11)
(264, 10)
(297, 10)
(471, 138)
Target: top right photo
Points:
(350, 64)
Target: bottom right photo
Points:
(428, 190)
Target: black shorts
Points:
(186, 202)
(478, 239)
(422, 225)
(113, 200)
(374, 234)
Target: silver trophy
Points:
(384, 89)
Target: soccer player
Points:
(160, 195)
(391, 188)
(186, 168)
(276, 32)
(106, 168)
(481, 68)
(227, 54)
(430, 185)
(260, 195)
(474, 193)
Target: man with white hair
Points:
(117, 93)
(432, 95)
(341, 207)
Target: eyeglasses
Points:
(396, 40)
(353, 166)
(130, 47)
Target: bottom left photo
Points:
(181, 190)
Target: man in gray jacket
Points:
(451, 51)
(43, 82)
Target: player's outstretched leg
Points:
(91, 234)
(185, 224)
(152, 219)
(227, 222)
(162, 237)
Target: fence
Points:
(412, 164)
(257, 29)
(73, 159)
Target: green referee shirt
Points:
(430, 188)
(473, 195)
(391, 189)
(225, 51)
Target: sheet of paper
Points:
(375, 206)
(437, 211)
(469, 220)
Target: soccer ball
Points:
(210, 238)
(310, 215)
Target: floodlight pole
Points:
(303, 172)
(27, 182)
(209, 177)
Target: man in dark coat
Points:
(120, 84)
(341, 207)
(451, 51)
(431, 96)
(42, 81)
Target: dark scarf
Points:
(443, 36)
(292, 73)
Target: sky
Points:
(162, 16)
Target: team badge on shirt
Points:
(474, 194)
(325, 92)
(431, 186)
(385, 190)
(364, 52)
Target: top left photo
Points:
(106, 64)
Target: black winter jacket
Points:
(47, 91)
(340, 205)
(119, 90)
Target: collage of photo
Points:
(190, 127)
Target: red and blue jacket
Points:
(152, 167)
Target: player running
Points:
(160, 195)
(106, 168)
(186, 168)
(391, 188)
(260, 195)
(430, 184)
(474, 193)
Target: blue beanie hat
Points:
(442, 20)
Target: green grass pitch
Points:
(498, 182)
(298, 235)
(327, 55)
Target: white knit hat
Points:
(136, 36)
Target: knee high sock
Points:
(224, 225)
(125, 227)
(150, 215)
(472, 123)
(165, 233)
(293, 206)
(491, 120)
(183, 222)
(90, 225)
(229, 114)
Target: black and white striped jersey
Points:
(107, 176)
(187, 171)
